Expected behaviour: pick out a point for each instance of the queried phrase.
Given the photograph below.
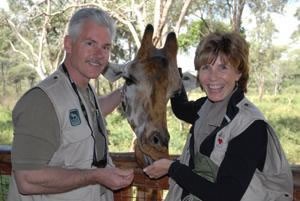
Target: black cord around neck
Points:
(97, 163)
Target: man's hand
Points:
(115, 178)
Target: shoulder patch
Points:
(74, 117)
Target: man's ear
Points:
(68, 44)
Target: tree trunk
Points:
(261, 88)
(237, 11)
(3, 80)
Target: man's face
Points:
(88, 54)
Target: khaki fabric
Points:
(87, 95)
(210, 117)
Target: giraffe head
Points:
(150, 80)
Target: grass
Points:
(283, 113)
(5, 126)
(4, 184)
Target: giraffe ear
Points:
(146, 43)
(171, 45)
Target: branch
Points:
(182, 14)
(139, 12)
(128, 24)
(157, 8)
(18, 51)
(30, 64)
(157, 34)
(43, 38)
(114, 14)
(12, 25)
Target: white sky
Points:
(286, 23)
(3, 4)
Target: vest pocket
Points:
(76, 134)
(76, 150)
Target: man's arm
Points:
(109, 102)
(57, 180)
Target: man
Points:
(59, 149)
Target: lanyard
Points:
(96, 162)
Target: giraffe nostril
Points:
(155, 140)
(158, 138)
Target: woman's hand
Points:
(158, 169)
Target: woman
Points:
(231, 153)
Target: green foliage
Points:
(4, 184)
(5, 126)
(178, 133)
(120, 133)
(196, 30)
(192, 36)
(19, 73)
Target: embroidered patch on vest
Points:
(74, 117)
(219, 140)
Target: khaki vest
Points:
(76, 143)
(275, 183)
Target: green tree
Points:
(5, 55)
(264, 55)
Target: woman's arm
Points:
(183, 108)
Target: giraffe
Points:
(151, 78)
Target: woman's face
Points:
(218, 79)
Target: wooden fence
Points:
(142, 188)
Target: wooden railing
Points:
(142, 187)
